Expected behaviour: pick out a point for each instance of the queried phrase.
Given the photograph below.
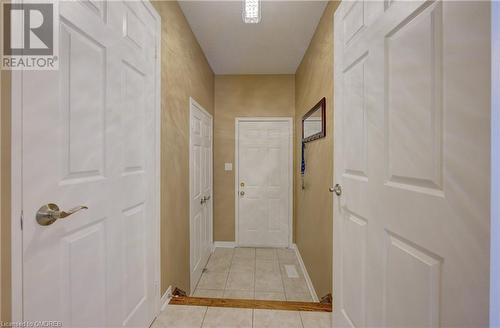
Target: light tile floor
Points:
(200, 316)
(253, 273)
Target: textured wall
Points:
(241, 96)
(185, 73)
(314, 205)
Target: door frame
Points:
(237, 122)
(336, 214)
(495, 171)
(16, 203)
(193, 103)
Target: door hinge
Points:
(21, 220)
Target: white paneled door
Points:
(263, 182)
(412, 145)
(200, 190)
(90, 139)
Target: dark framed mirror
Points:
(314, 122)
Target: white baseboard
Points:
(165, 299)
(306, 275)
(224, 244)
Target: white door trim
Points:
(16, 198)
(495, 171)
(237, 121)
(17, 174)
(193, 103)
(157, 199)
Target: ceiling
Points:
(276, 45)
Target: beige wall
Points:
(185, 73)
(313, 206)
(241, 96)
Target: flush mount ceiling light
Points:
(251, 11)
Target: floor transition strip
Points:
(182, 299)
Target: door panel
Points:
(414, 119)
(200, 190)
(355, 120)
(263, 183)
(89, 139)
(411, 245)
(409, 266)
(83, 278)
(83, 104)
(354, 268)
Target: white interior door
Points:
(200, 176)
(263, 182)
(89, 138)
(412, 154)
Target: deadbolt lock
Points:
(242, 184)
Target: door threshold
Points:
(183, 299)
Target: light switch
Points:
(228, 166)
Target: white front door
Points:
(200, 176)
(89, 139)
(412, 154)
(263, 182)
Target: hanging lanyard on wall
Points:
(303, 164)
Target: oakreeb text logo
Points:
(30, 35)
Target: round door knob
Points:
(337, 189)
(242, 193)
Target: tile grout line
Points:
(281, 276)
(254, 272)
(228, 272)
(301, 321)
(202, 273)
(204, 315)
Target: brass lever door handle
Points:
(50, 213)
